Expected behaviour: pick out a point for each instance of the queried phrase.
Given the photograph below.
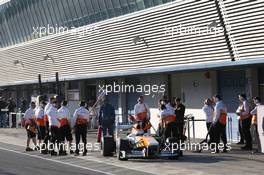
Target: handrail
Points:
(190, 118)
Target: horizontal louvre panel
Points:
(112, 50)
(246, 19)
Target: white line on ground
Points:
(47, 159)
(108, 163)
(117, 165)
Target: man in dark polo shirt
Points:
(179, 112)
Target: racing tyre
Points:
(123, 149)
(107, 146)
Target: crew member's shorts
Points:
(30, 134)
(65, 132)
(41, 132)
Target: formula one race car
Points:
(138, 144)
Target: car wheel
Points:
(107, 144)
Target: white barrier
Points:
(260, 122)
(19, 117)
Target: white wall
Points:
(193, 88)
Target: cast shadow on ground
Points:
(189, 158)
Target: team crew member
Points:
(54, 125)
(219, 122)
(142, 114)
(245, 117)
(141, 110)
(168, 105)
(65, 129)
(179, 112)
(208, 111)
(168, 123)
(39, 114)
(106, 117)
(254, 124)
(47, 107)
(80, 123)
(242, 138)
(30, 126)
(46, 121)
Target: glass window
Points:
(39, 12)
(18, 19)
(124, 6)
(54, 13)
(3, 35)
(72, 10)
(148, 3)
(22, 19)
(85, 12)
(66, 17)
(58, 12)
(4, 29)
(110, 8)
(140, 4)
(157, 2)
(30, 17)
(11, 22)
(80, 12)
(40, 22)
(117, 7)
(96, 10)
(51, 18)
(164, 1)
(90, 11)
(132, 5)
(103, 9)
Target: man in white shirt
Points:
(219, 122)
(254, 124)
(141, 110)
(54, 125)
(142, 114)
(245, 117)
(80, 123)
(49, 105)
(64, 118)
(168, 127)
(39, 114)
(46, 121)
(168, 105)
(29, 118)
(208, 111)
